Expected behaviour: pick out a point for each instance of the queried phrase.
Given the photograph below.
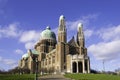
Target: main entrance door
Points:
(80, 68)
(74, 67)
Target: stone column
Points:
(88, 68)
(83, 64)
(51, 61)
(77, 66)
(71, 70)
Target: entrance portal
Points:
(80, 67)
(74, 66)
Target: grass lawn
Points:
(17, 77)
(92, 76)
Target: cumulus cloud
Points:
(10, 31)
(105, 50)
(14, 65)
(72, 25)
(13, 31)
(29, 38)
(8, 62)
(88, 33)
(1, 68)
(111, 33)
(18, 51)
(108, 48)
(0, 58)
(26, 37)
(29, 45)
(31, 35)
(85, 20)
(55, 30)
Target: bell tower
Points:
(62, 30)
(80, 35)
(61, 45)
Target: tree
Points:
(94, 71)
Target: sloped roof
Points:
(34, 52)
(72, 42)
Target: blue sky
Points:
(21, 22)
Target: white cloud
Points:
(10, 30)
(14, 65)
(1, 68)
(111, 33)
(0, 58)
(55, 30)
(108, 48)
(26, 37)
(7, 61)
(72, 25)
(0, 35)
(29, 45)
(18, 51)
(105, 50)
(29, 38)
(88, 33)
(31, 35)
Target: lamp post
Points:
(36, 68)
(103, 65)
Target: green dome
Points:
(25, 56)
(48, 34)
(34, 52)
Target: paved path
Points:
(53, 77)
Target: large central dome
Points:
(48, 34)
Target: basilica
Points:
(55, 54)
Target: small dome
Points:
(34, 52)
(25, 56)
(48, 34)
